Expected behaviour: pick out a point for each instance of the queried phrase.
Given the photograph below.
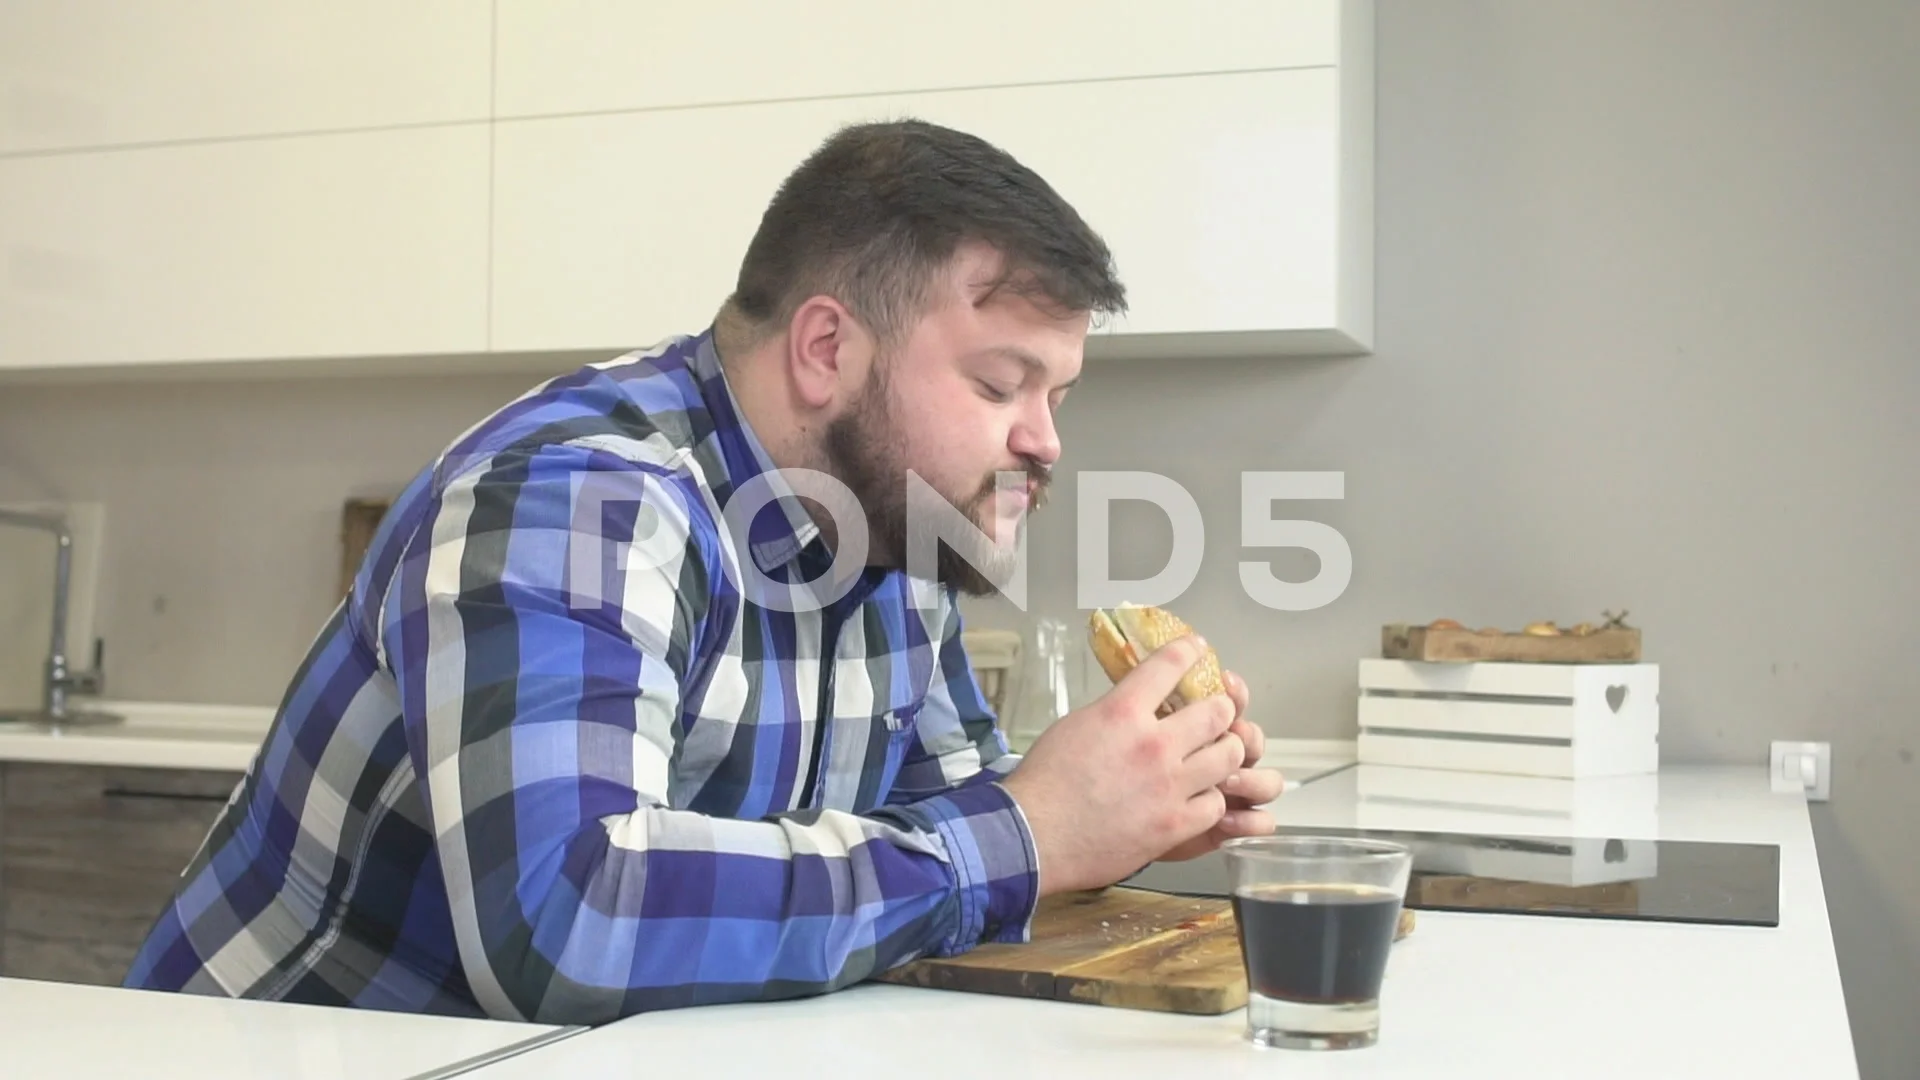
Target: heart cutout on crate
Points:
(1616, 697)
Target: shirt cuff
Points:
(996, 866)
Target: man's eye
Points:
(994, 394)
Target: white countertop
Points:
(1467, 995)
(157, 735)
(1301, 761)
(167, 735)
(58, 1030)
(61, 1030)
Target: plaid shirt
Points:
(567, 752)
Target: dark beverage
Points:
(1316, 944)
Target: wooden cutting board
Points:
(1128, 948)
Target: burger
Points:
(1126, 635)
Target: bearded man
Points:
(650, 691)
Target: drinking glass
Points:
(1316, 917)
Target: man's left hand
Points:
(1246, 789)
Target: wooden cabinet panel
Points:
(569, 56)
(90, 73)
(88, 856)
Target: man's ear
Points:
(828, 352)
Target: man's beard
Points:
(865, 450)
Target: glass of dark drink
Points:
(1316, 917)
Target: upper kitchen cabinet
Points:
(468, 184)
(574, 56)
(1238, 203)
(357, 245)
(92, 73)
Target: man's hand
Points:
(1245, 789)
(1109, 788)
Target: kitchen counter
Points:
(152, 734)
(1467, 995)
(1302, 761)
(191, 736)
(72, 1032)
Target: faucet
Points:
(60, 680)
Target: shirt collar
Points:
(774, 538)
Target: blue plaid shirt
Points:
(582, 742)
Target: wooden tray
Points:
(1617, 645)
(1122, 947)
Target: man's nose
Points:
(1034, 435)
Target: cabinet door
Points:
(88, 856)
(558, 56)
(1221, 197)
(89, 73)
(364, 244)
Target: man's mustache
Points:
(1038, 474)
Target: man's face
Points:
(971, 393)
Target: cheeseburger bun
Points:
(1127, 634)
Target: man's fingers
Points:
(1254, 739)
(1237, 690)
(1228, 825)
(1245, 823)
(1154, 678)
(1249, 732)
(1209, 766)
(1205, 810)
(1199, 724)
(1254, 787)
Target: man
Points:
(628, 710)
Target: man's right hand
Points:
(1108, 788)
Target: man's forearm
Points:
(660, 909)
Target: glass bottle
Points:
(1051, 682)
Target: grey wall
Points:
(223, 506)
(1648, 274)
(1646, 293)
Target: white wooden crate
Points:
(1479, 802)
(1564, 720)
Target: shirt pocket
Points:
(889, 739)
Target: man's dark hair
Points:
(873, 214)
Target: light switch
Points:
(1803, 767)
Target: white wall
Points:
(1647, 281)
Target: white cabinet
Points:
(612, 231)
(1232, 202)
(83, 73)
(572, 56)
(472, 182)
(365, 244)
